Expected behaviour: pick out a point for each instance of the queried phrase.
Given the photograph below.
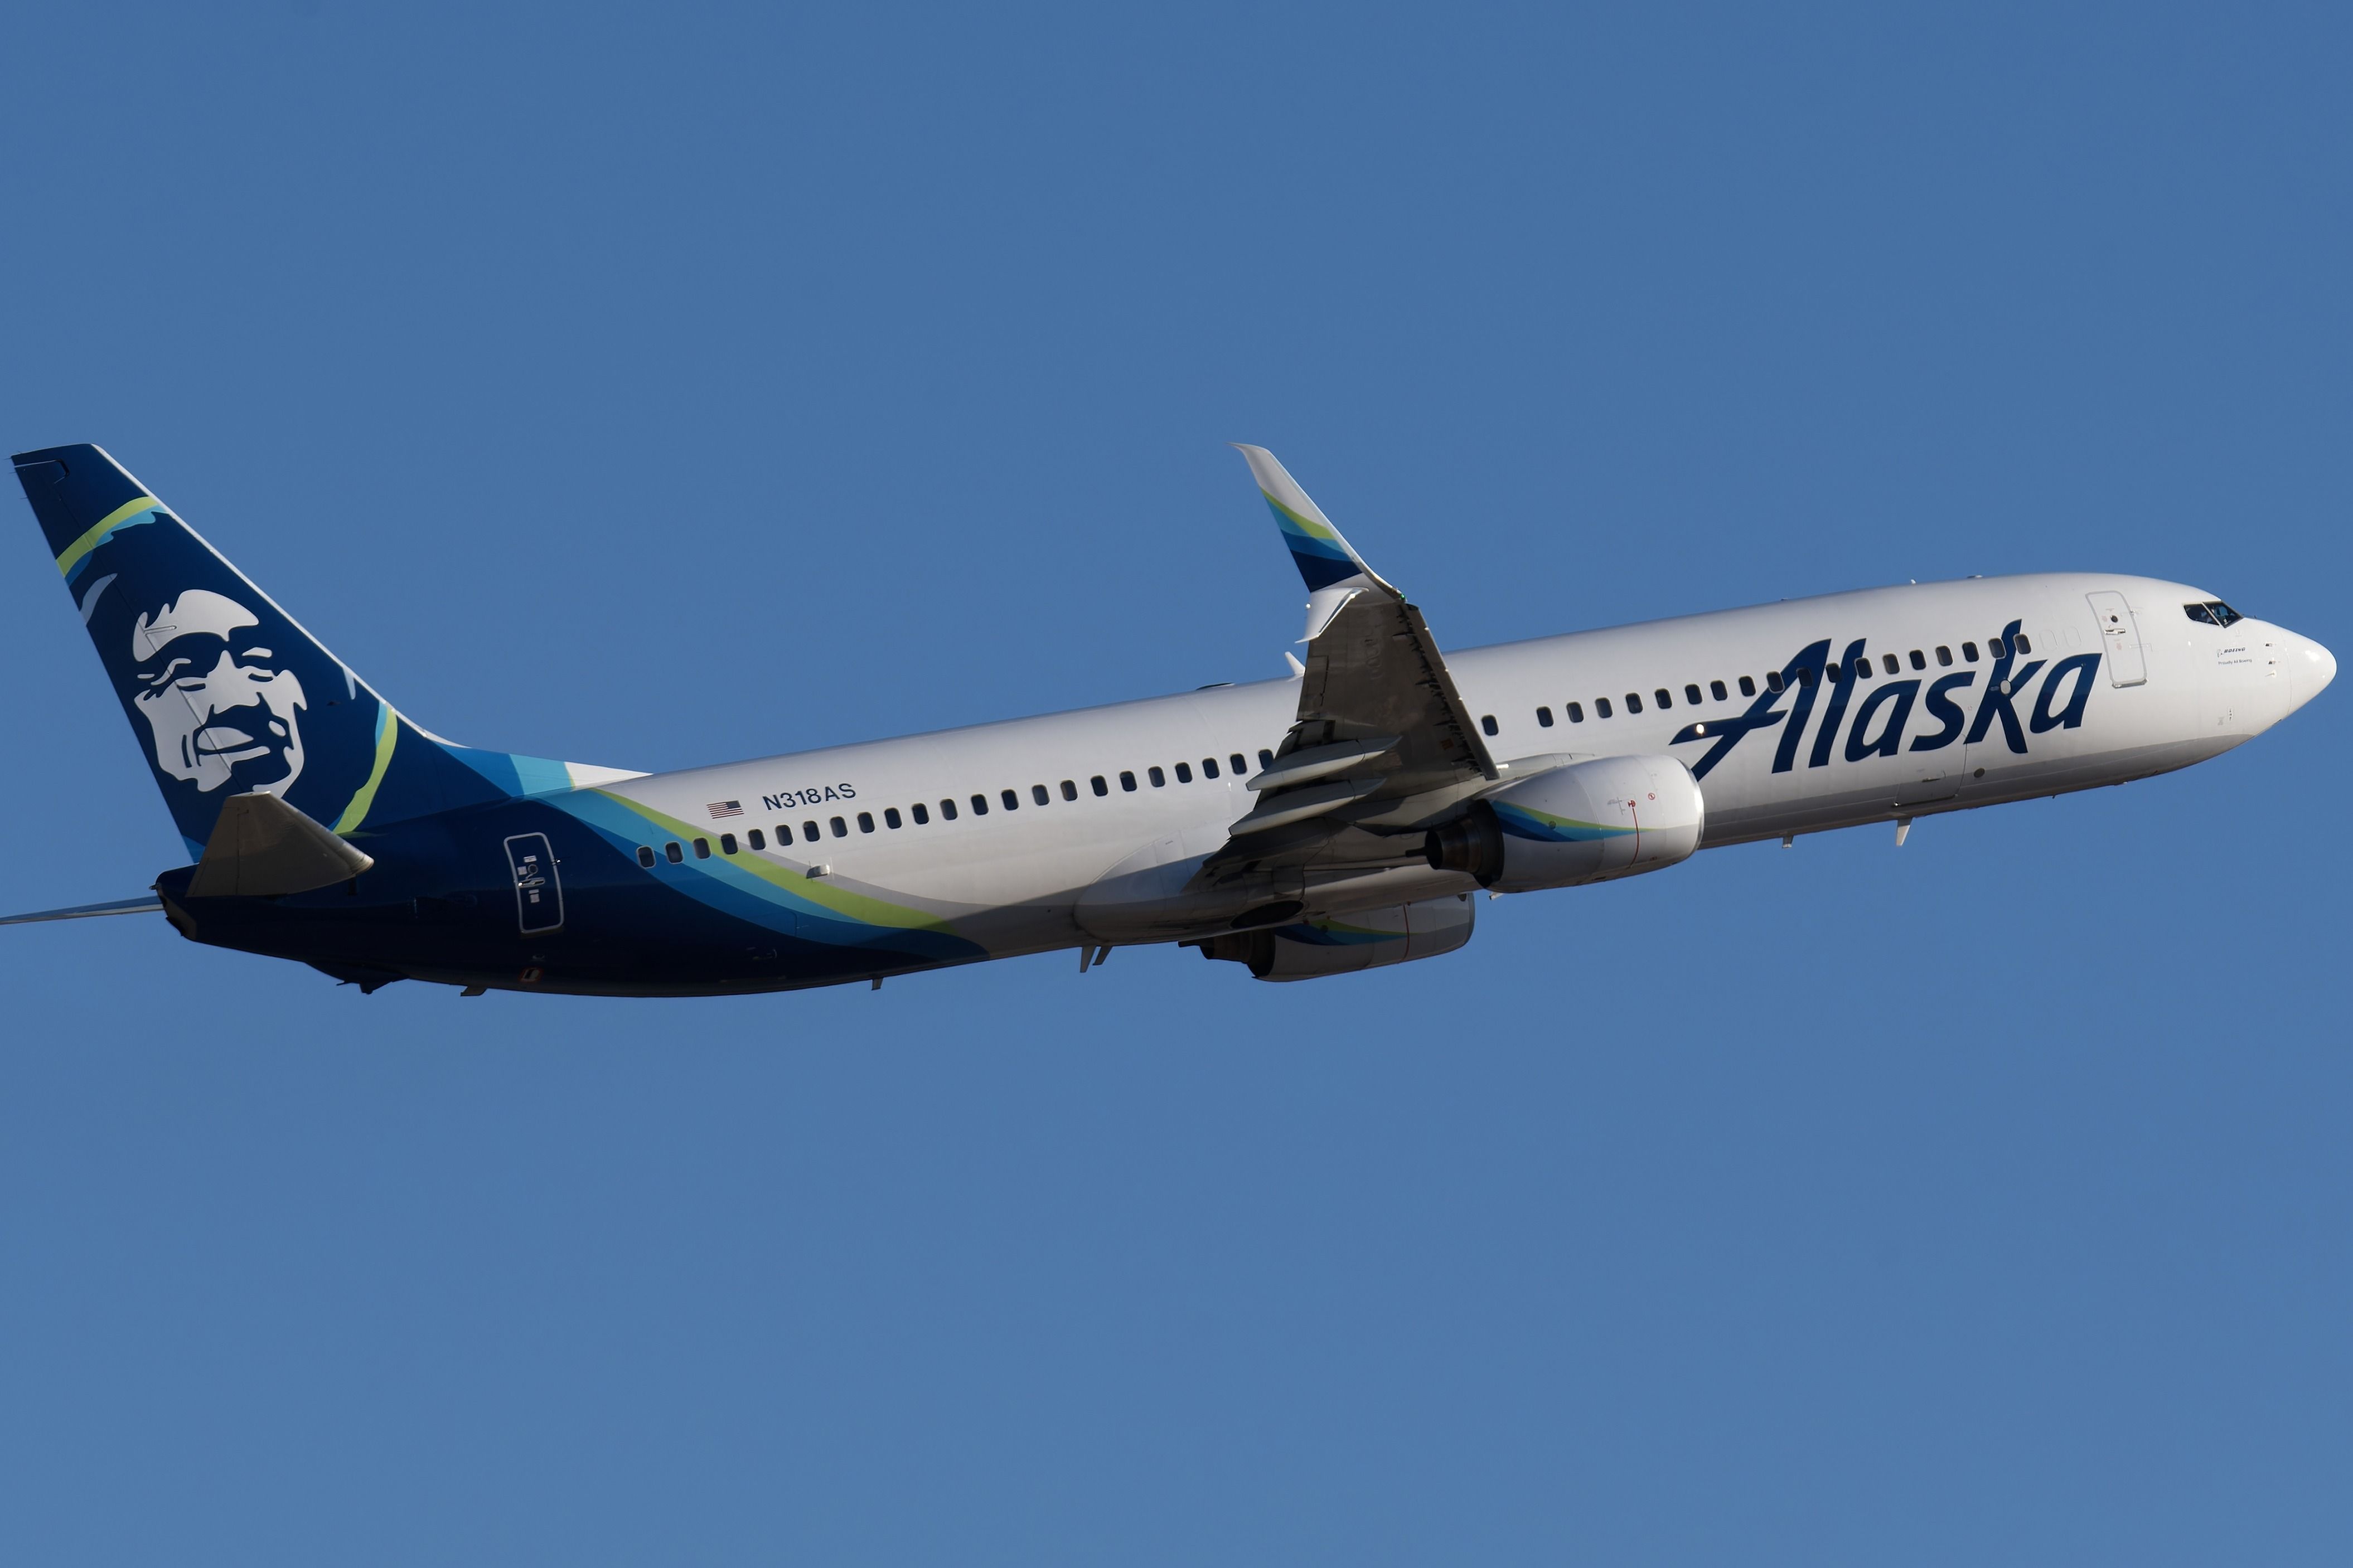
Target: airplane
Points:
(1341, 819)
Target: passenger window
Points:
(1919, 659)
(727, 844)
(1773, 682)
(1601, 706)
(1012, 801)
(1039, 795)
(1159, 779)
(1069, 789)
(808, 831)
(980, 805)
(1633, 702)
(645, 856)
(1184, 772)
(759, 839)
(1240, 765)
(1994, 646)
(841, 828)
(947, 809)
(1544, 718)
(1209, 767)
(1944, 654)
(1969, 651)
(1748, 686)
(1265, 758)
(1097, 784)
(1891, 664)
(1862, 667)
(922, 814)
(2019, 643)
(1834, 673)
(674, 852)
(1576, 712)
(1127, 780)
(1690, 694)
(1487, 722)
(865, 822)
(890, 815)
(703, 848)
(1665, 700)
(1804, 675)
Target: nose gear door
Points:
(2119, 639)
(538, 893)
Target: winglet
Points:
(1323, 558)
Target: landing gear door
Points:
(2119, 639)
(539, 895)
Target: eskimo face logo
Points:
(221, 708)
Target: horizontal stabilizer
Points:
(145, 903)
(263, 849)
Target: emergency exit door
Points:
(539, 895)
(2119, 639)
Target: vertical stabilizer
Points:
(227, 693)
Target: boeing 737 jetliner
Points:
(1338, 820)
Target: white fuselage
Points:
(1028, 874)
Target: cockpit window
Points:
(2212, 613)
(2199, 612)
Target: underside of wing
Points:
(1383, 744)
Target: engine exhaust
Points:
(1472, 843)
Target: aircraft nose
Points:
(2310, 667)
(2323, 664)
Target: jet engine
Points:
(1587, 822)
(1343, 945)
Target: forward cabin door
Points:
(539, 895)
(2119, 639)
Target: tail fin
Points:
(227, 693)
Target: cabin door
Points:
(2119, 639)
(539, 895)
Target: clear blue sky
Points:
(653, 387)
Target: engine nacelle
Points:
(1366, 938)
(1588, 822)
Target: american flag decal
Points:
(719, 808)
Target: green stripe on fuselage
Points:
(796, 886)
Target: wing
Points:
(1383, 739)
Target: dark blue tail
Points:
(226, 692)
